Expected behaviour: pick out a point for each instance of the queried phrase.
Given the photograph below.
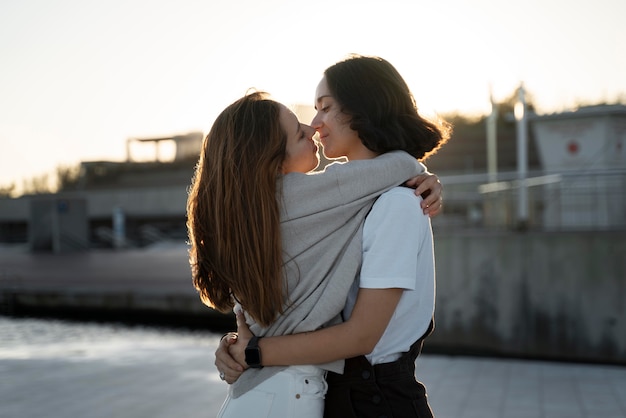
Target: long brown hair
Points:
(233, 217)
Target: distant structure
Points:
(587, 149)
(187, 145)
(114, 204)
(591, 138)
(576, 180)
(58, 225)
(157, 172)
(576, 177)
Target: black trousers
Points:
(387, 390)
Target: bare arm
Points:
(359, 335)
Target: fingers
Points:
(430, 188)
(222, 355)
(230, 354)
(426, 185)
(229, 370)
(435, 209)
(242, 327)
(226, 372)
(413, 182)
(241, 320)
(433, 203)
(423, 183)
(230, 376)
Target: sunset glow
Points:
(81, 77)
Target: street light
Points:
(492, 150)
(522, 159)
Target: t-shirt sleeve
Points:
(393, 234)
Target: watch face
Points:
(253, 356)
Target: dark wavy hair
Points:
(382, 109)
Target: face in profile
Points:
(338, 139)
(302, 152)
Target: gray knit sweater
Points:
(321, 225)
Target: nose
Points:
(308, 130)
(316, 123)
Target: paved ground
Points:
(50, 370)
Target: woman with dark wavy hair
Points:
(365, 109)
(281, 245)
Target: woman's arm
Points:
(359, 335)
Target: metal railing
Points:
(590, 200)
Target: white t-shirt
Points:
(398, 253)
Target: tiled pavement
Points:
(149, 375)
(506, 388)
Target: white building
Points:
(586, 148)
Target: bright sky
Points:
(79, 77)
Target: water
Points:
(57, 368)
(25, 338)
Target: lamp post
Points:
(492, 150)
(522, 159)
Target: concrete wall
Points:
(58, 224)
(548, 295)
(554, 295)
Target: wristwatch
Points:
(253, 353)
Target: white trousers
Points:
(297, 391)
